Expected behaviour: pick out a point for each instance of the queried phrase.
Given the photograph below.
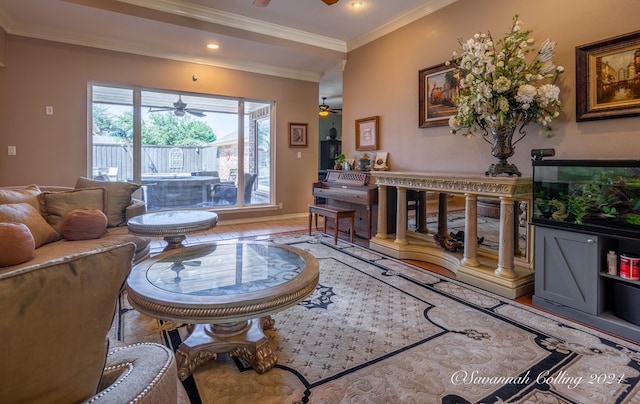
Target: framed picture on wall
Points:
(437, 86)
(607, 83)
(298, 134)
(367, 133)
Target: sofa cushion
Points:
(56, 318)
(17, 244)
(26, 214)
(28, 194)
(118, 197)
(57, 204)
(83, 224)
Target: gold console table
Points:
(508, 273)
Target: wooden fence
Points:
(116, 160)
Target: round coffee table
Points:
(227, 293)
(173, 225)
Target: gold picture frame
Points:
(605, 85)
(367, 133)
(298, 134)
(437, 87)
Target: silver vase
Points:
(502, 147)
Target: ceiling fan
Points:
(179, 109)
(325, 109)
(264, 3)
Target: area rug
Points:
(378, 330)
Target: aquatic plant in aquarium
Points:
(587, 192)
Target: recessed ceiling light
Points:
(213, 46)
(356, 4)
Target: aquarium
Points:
(595, 195)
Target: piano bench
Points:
(334, 213)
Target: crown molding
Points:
(398, 22)
(240, 22)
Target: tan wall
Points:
(53, 149)
(381, 78)
(3, 48)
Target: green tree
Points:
(101, 117)
(109, 124)
(166, 128)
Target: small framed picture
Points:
(298, 134)
(367, 133)
(380, 163)
(607, 83)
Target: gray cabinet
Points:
(571, 279)
(567, 268)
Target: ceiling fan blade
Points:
(195, 112)
(329, 2)
(260, 3)
(160, 109)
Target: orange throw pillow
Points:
(83, 224)
(17, 243)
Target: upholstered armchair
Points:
(226, 193)
(56, 318)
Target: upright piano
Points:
(352, 189)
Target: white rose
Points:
(525, 94)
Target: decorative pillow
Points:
(26, 214)
(58, 204)
(118, 197)
(17, 244)
(27, 194)
(83, 224)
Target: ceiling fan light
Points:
(323, 112)
(356, 4)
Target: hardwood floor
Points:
(266, 229)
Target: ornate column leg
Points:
(516, 229)
(401, 217)
(421, 214)
(443, 230)
(506, 249)
(382, 211)
(470, 255)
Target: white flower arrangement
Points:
(497, 86)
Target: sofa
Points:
(54, 202)
(56, 319)
(65, 254)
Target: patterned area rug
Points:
(378, 330)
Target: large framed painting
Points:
(608, 78)
(437, 87)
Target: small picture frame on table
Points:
(367, 133)
(298, 134)
(380, 162)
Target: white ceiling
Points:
(302, 39)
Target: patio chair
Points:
(226, 193)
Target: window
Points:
(185, 149)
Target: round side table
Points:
(173, 225)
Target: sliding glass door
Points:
(186, 149)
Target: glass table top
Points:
(225, 269)
(172, 217)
